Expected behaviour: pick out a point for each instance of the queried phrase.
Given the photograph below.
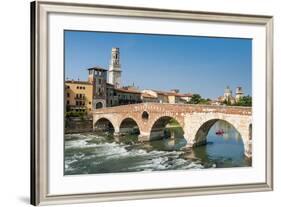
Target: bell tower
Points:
(114, 73)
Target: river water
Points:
(89, 153)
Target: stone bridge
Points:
(195, 120)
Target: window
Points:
(67, 102)
(99, 81)
(77, 87)
(145, 115)
(67, 87)
(99, 105)
(84, 87)
(77, 103)
(90, 102)
(77, 96)
(68, 95)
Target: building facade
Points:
(128, 96)
(238, 93)
(79, 96)
(98, 78)
(228, 98)
(97, 92)
(172, 97)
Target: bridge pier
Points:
(144, 136)
(246, 134)
(248, 149)
(117, 134)
(192, 144)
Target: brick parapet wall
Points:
(179, 108)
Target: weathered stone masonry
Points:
(195, 120)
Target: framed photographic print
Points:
(134, 103)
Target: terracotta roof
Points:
(123, 90)
(97, 68)
(169, 93)
(183, 95)
(147, 95)
(109, 84)
(78, 82)
(166, 93)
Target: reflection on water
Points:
(223, 151)
(103, 153)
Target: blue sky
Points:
(192, 64)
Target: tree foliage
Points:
(244, 101)
(197, 99)
(80, 114)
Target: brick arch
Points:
(165, 120)
(194, 122)
(178, 119)
(132, 118)
(109, 119)
(203, 130)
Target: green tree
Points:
(195, 99)
(245, 101)
(227, 102)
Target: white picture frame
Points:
(48, 185)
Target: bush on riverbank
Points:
(79, 114)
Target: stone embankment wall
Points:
(78, 125)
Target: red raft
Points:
(220, 132)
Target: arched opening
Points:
(250, 132)
(129, 126)
(166, 127)
(104, 125)
(218, 128)
(224, 147)
(99, 105)
(145, 115)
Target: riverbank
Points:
(78, 125)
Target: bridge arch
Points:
(157, 130)
(129, 125)
(104, 124)
(202, 132)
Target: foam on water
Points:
(129, 157)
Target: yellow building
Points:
(79, 96)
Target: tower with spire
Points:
(114, 72)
